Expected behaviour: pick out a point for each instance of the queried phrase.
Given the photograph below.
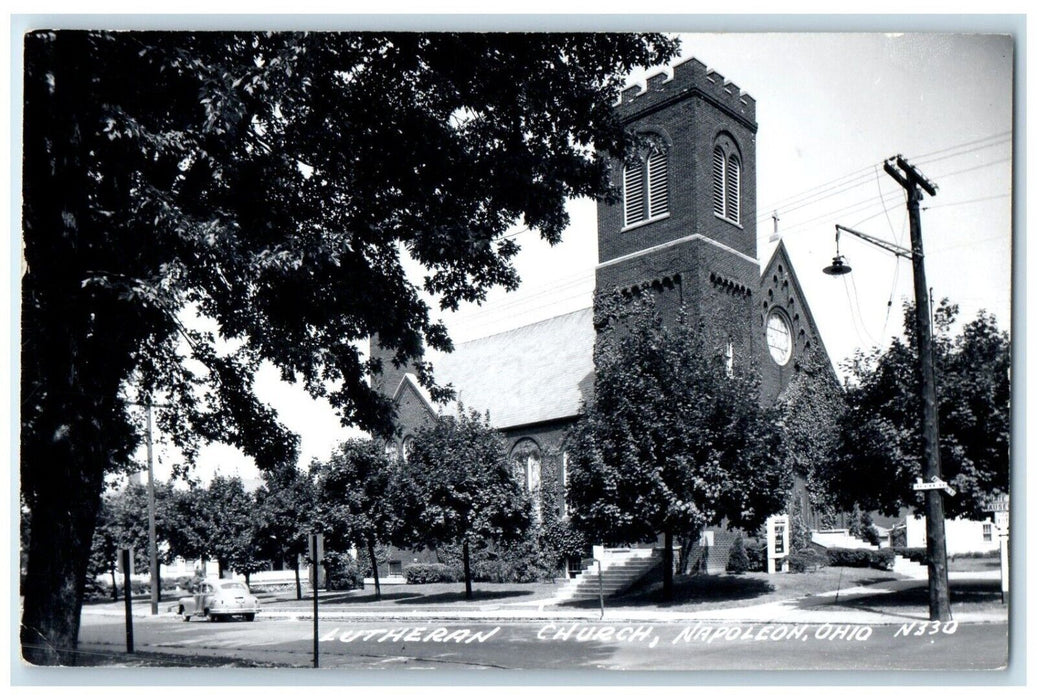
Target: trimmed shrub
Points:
(805, 560)
(915, 554)
(991, 554)
(862, 558)
(341, 572)
(738, 559)
(431, 573)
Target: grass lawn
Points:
(714, 591)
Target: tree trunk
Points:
(247, 575)
(374, 568)
(467, 572)
(668, 565)
(72, 425)
(59, 553)
(158, 575)
(115, 585)
(219, 567)
(298, 582)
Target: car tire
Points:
(250, 617)
(184, 615)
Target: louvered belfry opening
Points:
(646, 193)
(658, 192)
(719, 180)
(633, 194)
(732, 185)
(727, 184)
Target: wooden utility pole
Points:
(936, 540)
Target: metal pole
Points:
(156, 583)
(601, 594)
(124, 554)
(316, 577)
(1003, 536)
(936, 541)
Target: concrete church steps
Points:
(619, 570)
(839, 538)
(910, 569)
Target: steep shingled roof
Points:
(543, 371)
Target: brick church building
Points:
(686, 228)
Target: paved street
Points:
(822, 632)
(565, 645)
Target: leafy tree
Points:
(188, 525)
(123, 522)
(458, 486)
(267, 183)
(230, 534)
(880, 451)
(285, 510)
(738, 561)
(673, 441)
(355, 496)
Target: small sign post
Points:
(999, 506)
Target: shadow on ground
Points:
(700, 588)
(964, 593)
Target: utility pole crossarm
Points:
(913, 175)
(885, 245)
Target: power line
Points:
(854, 178)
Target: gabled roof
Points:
(540, 372)
(781, 256)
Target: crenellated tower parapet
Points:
(677, 83)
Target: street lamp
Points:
(913, 182)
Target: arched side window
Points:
(407, 447)
(526, 461)
(646, 188)
(727, 180)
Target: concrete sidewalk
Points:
(834, 607)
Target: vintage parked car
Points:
(219, 599)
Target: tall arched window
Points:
(407, 447)
(525, 458)
(727, 180)
(646, 189)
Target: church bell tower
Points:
(685, 225)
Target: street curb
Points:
(647, 618)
